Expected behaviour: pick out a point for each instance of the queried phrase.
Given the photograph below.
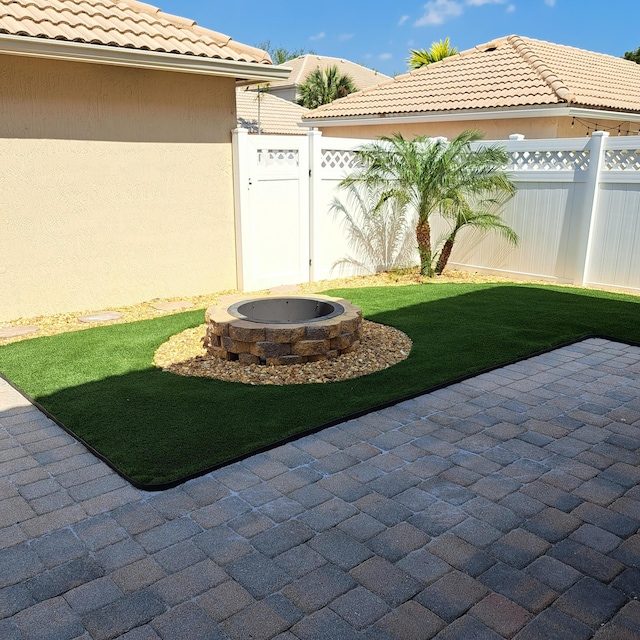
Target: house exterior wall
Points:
(498, 129)
(286, 92)
(116, 186)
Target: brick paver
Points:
(506, 506)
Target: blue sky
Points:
(379, 33)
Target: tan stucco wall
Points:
(499, 129)
(116, 186)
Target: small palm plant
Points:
(378, 230)
(464, 186)
(439, 51)
(324, 86)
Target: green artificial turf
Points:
(157, 427)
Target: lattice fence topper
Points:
(622, 160)
(278, 158)
(548, 161)
(339, 159)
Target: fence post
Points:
(315, 165)
(241, 172)
(590, 202)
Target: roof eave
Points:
(139, 58)
(277, 86)
(542, 111)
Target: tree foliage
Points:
(633, 55)
(280, 55)
(465, 186)
(439, 51)
(323, 86)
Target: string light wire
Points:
(596, 126)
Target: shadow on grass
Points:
(157, 428)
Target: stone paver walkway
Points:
(507, 506)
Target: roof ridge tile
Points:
(557, 85)
(512, 71)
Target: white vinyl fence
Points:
(576, 210)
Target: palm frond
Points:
(379, 233)
(439, 51)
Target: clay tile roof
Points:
(120, 23)
(276, 115)
(509, 72)
(302, 66)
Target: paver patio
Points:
(505, 506)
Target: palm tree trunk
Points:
(423, 236)
(445, 254)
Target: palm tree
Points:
(438, 51)
(322, 87)
(280, 55)
(633, 55)
(482, 219)
(435, 176)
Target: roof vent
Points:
(489, 46)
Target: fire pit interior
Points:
(283, 330)
(286, 310)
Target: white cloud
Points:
(318, 36)
(550, 3)
(385, 56)
(402, 20)
(438, 11)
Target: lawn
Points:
(157, 428)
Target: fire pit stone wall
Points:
(280, 343)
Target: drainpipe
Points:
(241, 182)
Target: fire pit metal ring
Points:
(286, 310)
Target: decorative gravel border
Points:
(37, 326)
(380, 347)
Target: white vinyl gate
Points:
(272, 194)
(284, 187)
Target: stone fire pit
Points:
(283, 330)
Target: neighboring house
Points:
(302, 66)
(115, 135)
(508, 86)
(260, 112)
